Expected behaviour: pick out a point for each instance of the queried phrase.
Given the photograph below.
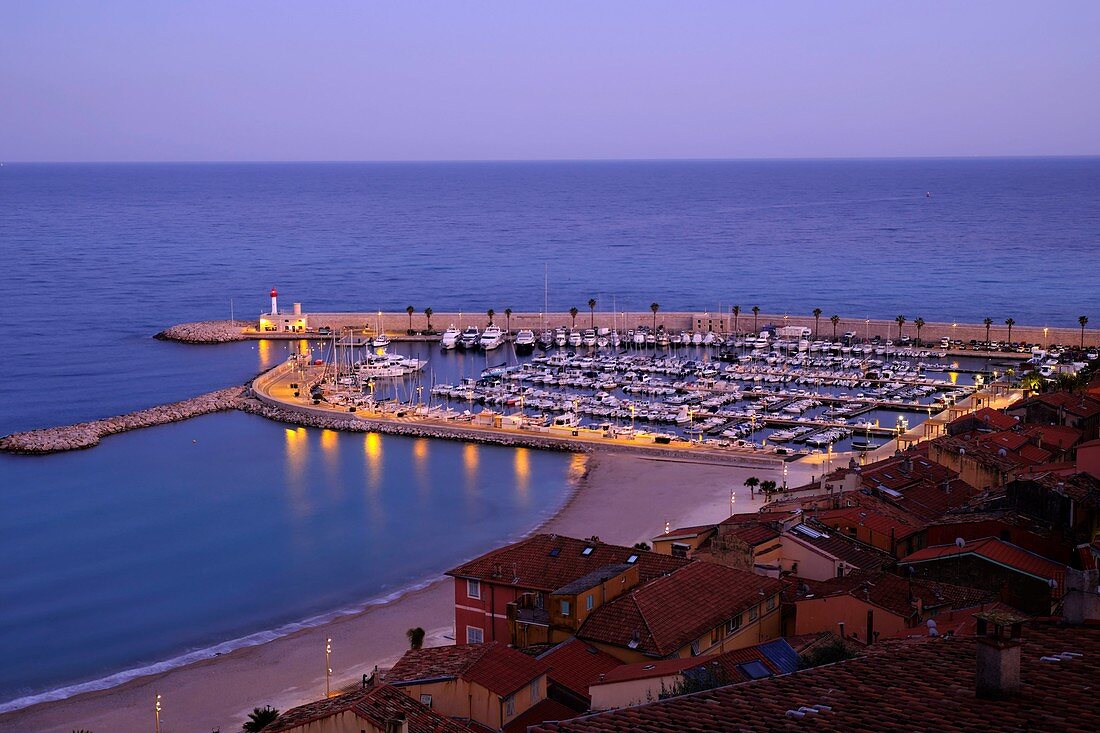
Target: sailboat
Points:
(381, 340)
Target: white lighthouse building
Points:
(274, 321)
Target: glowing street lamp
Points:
(156, 710)
(328, 668)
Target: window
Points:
(510, 706)
(679, 550)
(695, 648)
(589, 601)
(754, 670)
(587, 551)
(754, 613)
(474, 635)
(733, 624)
(565, 608)
(770, 604)
(473, 588)
(536, 691)
(426, 700)
(715, 634)
(632, 559)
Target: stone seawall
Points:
(206, 332)
(88, 434)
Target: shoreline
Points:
(604, 500)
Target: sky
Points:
(516, 79)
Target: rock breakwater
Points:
(206, 332)
(88, 434)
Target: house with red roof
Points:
(490, 684)
(376, 709)
(1075, 409)
(1022, 579)
(700, 608)
(573, 666)
(536, 566)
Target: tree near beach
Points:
(657, 306)
(591, 312)
(736, 313)
(410, 310)
(834, 319)
(752, 482)
(428, 314)
(901, 322)
(919, 323)
(259, 719)
(1084, 321)
(573, 314)
(416, 637)
(755, 316)
(508, 321)
(1010, 322)
(817, 321)
(490, 313)
(768, 487)
(988, 322)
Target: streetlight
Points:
(328, 668)
(785, 475)
(733, 500)
(156, 709)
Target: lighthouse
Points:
(274, 302)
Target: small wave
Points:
(197, 655)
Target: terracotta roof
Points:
(871, 519)
(958, 621)
(993, 418)
(378, 704)
(753, 534)
(494, 666)
(543, 710)
(999, 552)
(833, 544)
(896, 594)
(662, 616)
(906, 686)
(576, 665)
(1060, 436)
(777, 656)
(1078, 405)
(547, 562)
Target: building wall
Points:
(461, 699)
(489, 613)
(1030, 595)
(805, 562)
(631, 692)
(1088, 460)
(815, 615)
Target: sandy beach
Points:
(622, 499)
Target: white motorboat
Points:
(589, 337)
(380, 341)
(525, 342)
(492, 338)
(450, 338)
(469, 338)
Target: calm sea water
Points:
(151, 545)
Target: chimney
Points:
(998, 674)
(400, 724)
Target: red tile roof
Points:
(546, 562)
(662, 616)
(377, 704)
(871, 519)
(723, 666)
(895, 594)
(909, 686)
(993, 418)
(576, 665)
(999, 552)
(537, 713)
(494, 666)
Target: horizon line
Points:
(378, 161)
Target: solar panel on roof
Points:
(754, 670)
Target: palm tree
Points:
(259, 719)
(591, 312)
(901, 322)
(752, 482)
(988, 322)
(410, 310)
(428, 314)
(919, 323)
(817, 321)
(490, 313)
(657, 306)
(416, 637)
(1083, 320)
(508, 322)
(767, 487)
(834, 319)
(755, 315)
(736, 313)
(573, 314)
(1010, 323)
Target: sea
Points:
(171, 544)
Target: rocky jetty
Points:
(88, 434)
(206, 332)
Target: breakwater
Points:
(206, 332)
(88, 434)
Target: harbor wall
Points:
(398, 323)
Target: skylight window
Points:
(632, 559)
(754, 670)
(555, 552)
(587, 551)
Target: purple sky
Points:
(363, 80)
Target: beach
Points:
(622, 499)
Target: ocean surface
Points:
(151, 546)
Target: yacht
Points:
(546, 339)
(575, 338)
(525, 342)
(380, 341)
(560, 337)
(492, 338)
(589, 337)
(450, 338)
(469, 338)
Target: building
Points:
(573, 666)
(489, 684)
(1010, 677)
(376, 709)
(275, 321)
(536, 566)
(700, 608)
(642, 682)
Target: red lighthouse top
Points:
(274, 292)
